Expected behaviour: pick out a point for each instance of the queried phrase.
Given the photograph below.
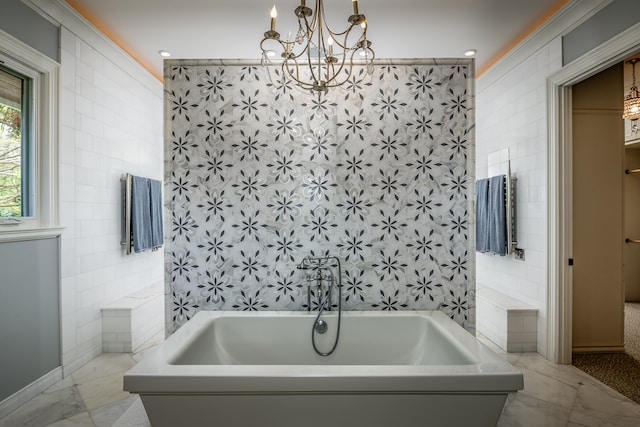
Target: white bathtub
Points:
(245, 369)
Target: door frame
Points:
(559, 184)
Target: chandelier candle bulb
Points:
(355, 7)
(287, 46)
(330, 43)
(274, 15)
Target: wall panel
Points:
(29, 312)
(259, 174)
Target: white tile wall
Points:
(110, 124)
(512, 113)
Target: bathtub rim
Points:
(155, 375)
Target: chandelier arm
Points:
(337, 36)
(312, 71)
(305, 30)
(288, 69)
(309, 29)
(349, 69)
(317, 21)
(335, 81)
(321, 47)
(333, 75)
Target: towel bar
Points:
(628, 171)
(512, 224)
(508, 242)
(126, 240)
(153, 222)
(631, 241)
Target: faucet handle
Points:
(305, 264)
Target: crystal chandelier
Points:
(632, 100)
(318, 58)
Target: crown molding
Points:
(64, 15)
(566, 19)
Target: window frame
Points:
(27, 191)
(43, 71)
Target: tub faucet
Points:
(320, 282)
(324, 278)
(320, 265)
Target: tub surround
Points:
(259, 174)
(554, 395)
(227, 362)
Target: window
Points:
(28, 143)
(16, 145)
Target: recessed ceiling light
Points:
(271, 53)
(164, 53)
(470, 52)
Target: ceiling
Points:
(228, 29)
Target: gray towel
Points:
(140, 214)
(155, 193)
(482, 215)
(497, 229)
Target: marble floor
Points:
(90, 396)
(554, 395)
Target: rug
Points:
(620, 371)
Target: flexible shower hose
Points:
(323, 303)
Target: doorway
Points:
(603, 215)
(560, 176)
(598, 218)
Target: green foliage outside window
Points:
(10, 162)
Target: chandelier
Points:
(318, 58)
(632, 100)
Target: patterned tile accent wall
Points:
(260, 174)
